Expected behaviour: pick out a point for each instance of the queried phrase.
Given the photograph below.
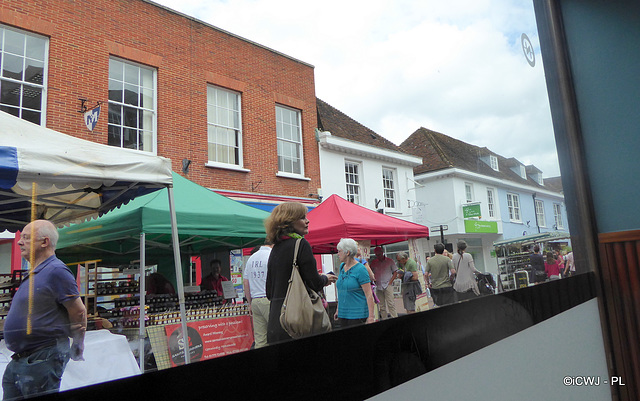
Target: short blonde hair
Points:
(281, 218)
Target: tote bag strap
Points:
(295, 252)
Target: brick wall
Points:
(188, 55)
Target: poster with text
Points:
(210, 339)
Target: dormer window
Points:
(493, 162)
(540, 180)
(523, 172)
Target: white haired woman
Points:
(355, 298)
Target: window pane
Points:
(33, 116)
(147, 98)
(131, 94)
(115, 114)
(130, 138)
(12, 67)
(31, 97)
(130, 117)
(10, 93)
(115, 134)
(147, 141)
(115, 90)
(35, 48)
(116, 70)
(131, 74)
(147, 121)
(11, 110)
(14, 42)
(34, 72)
(147, 78)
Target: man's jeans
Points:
(37, 373)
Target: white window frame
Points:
(151, 112)
(353, 181)
(468, 192)
(513, 204)
(540, 179)
(283, 140)
(390, 198)
(557, 215)
(26, 87)
(523, 172)
(540, 218)
(216, 120)
(493, 162)
(491, 203)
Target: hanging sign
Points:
(91, 117)
(471, 210)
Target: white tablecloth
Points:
(107, 357)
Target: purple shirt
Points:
(53, 284)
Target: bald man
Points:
(45, 311)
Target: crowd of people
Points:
(552, 266)
(58, 313)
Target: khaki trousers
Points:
(387, 302)
(260, 313)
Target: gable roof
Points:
(439, 151)
(341, 125)
(554, 183)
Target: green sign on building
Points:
(479, 226)
(472, 210)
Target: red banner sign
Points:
(210, 338)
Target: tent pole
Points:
(141, 335)
(179, 280)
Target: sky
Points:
(456, 66)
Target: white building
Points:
(479, 196)
(363, 167)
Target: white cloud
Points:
(455, 66)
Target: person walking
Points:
(254, 281)
(466, 286)
(355, 298)
(385, 272)
(438, 269)
(287, 223)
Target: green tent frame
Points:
(206, 221)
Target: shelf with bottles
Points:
(163, 309)
(9, 284)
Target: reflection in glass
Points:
(12, 67)
(10, 93)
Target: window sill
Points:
(223, 166)
(292, 176)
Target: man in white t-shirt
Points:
(385, 271)
(254, 281)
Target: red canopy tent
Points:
(337, 218)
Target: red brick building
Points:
(242, 114)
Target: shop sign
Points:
(209, 339)
(471, 210)
(479, 226)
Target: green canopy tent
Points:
(142, 230)
(206, 221)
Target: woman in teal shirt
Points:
(355, 298)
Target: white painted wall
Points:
(332, 176)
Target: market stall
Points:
(337, 218)
(514, 269)
(206, 221)
(45, 174)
